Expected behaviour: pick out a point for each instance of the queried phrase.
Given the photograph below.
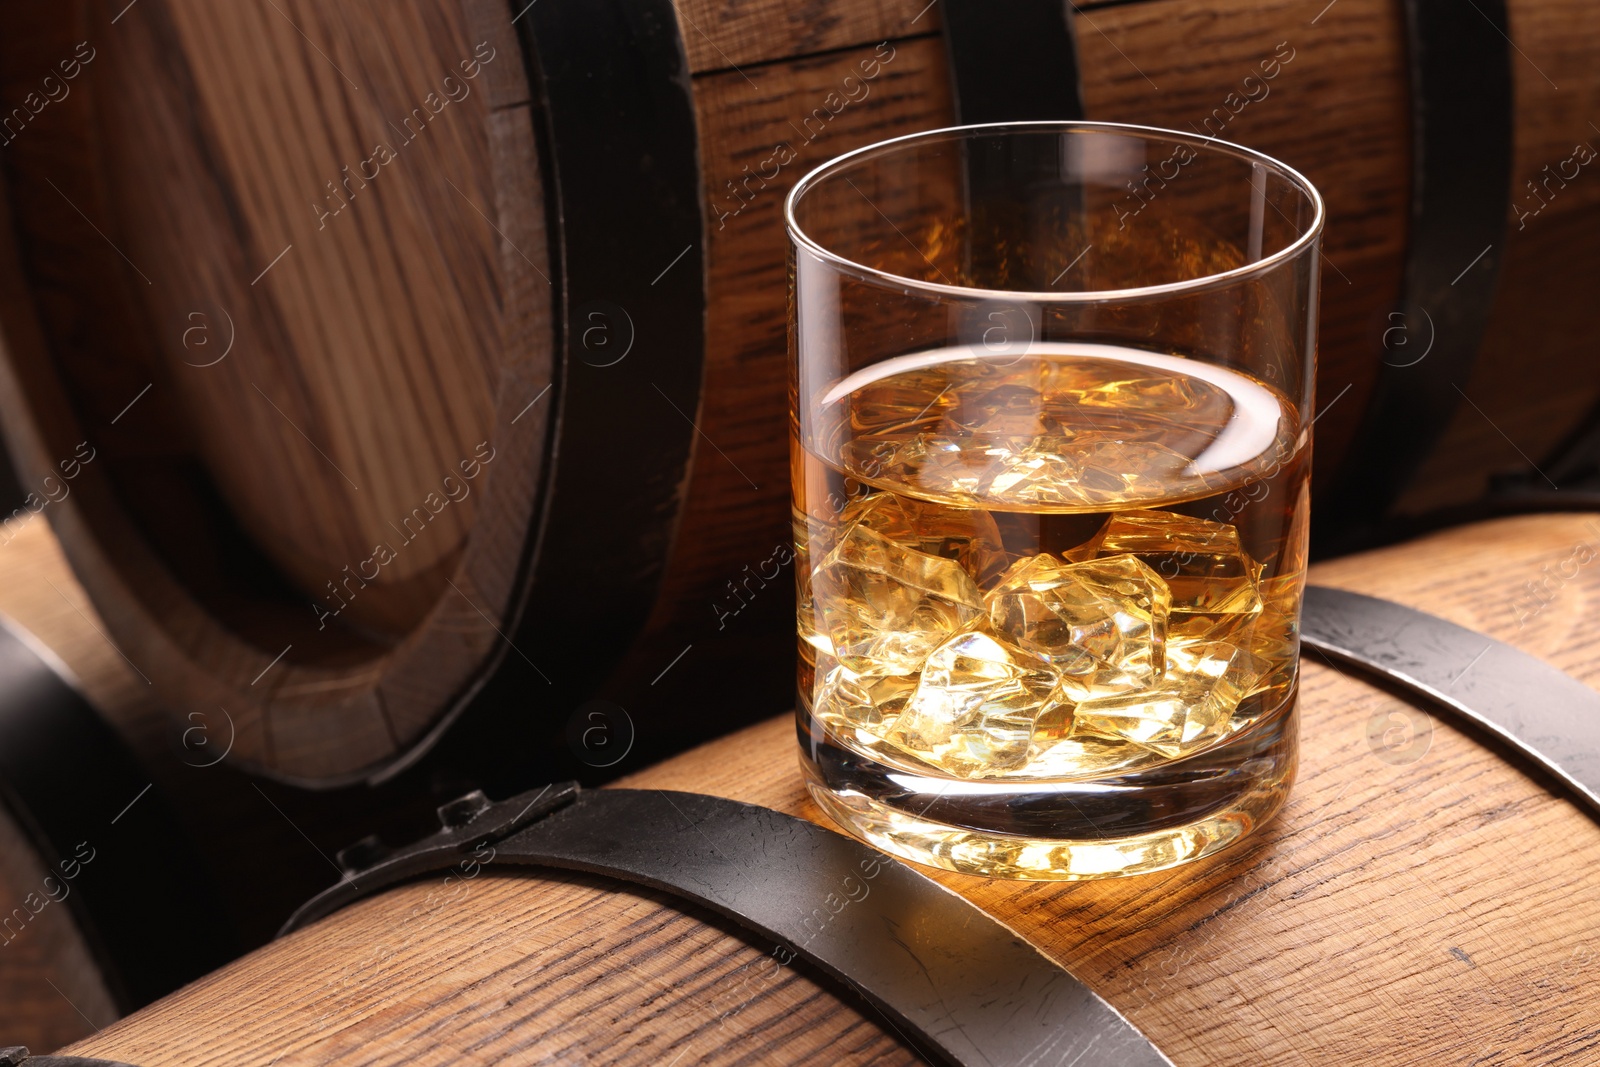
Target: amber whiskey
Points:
(1054, 595)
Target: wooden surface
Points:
(1172, 63)
(177, 205)
(722, 35)
(1541, 322)
(1442, 910)
(407, 989)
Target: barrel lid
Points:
(279, 320)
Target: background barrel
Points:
(50, 979)
(373, 381)
(93, 868)
(133, 857)
(1418, 900)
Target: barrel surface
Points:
(1424, 901)
(281, 299)
(1534, 380)
(50, 982)
(50, 977)
(248, 849)
(387, 327)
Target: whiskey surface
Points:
(1080, 561)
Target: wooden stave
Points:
(258, 848)
(722, 520)
(53, 948)
(1350, 929)
(50, 951)
(253, 845)
(202, 664)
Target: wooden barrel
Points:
(95, 869)
(413, 356)
(108, 898)
(50, 980)
(1418, 900)
(133, 858)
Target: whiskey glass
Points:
(1051, 386)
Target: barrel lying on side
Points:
(133, 858)
(105, 902)
(1388, 915)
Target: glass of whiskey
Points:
(1051, 386)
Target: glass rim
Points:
(1188, 285)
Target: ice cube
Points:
(969, 537)
(886, 606)
(1056, 470)
(974, 710)
(1059, 471)
(1101, 624)
(808, 617)
(846, 700)
(1202, 562)
(933, 463)
(1203, 684)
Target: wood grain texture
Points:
(1174, 63)
(760, 130)
(404, 327)
(721, 35)
(1443, 910)
(435, 980)
(349, 418)
(1549, 258)
(51, 988)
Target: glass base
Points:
(1065, 830)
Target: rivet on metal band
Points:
(968, 990)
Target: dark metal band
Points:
(1012, 60)
(116, 854)
(1547, 715)
(15, 1055)
(620, 153)
(1462, 122)
(968, 989)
